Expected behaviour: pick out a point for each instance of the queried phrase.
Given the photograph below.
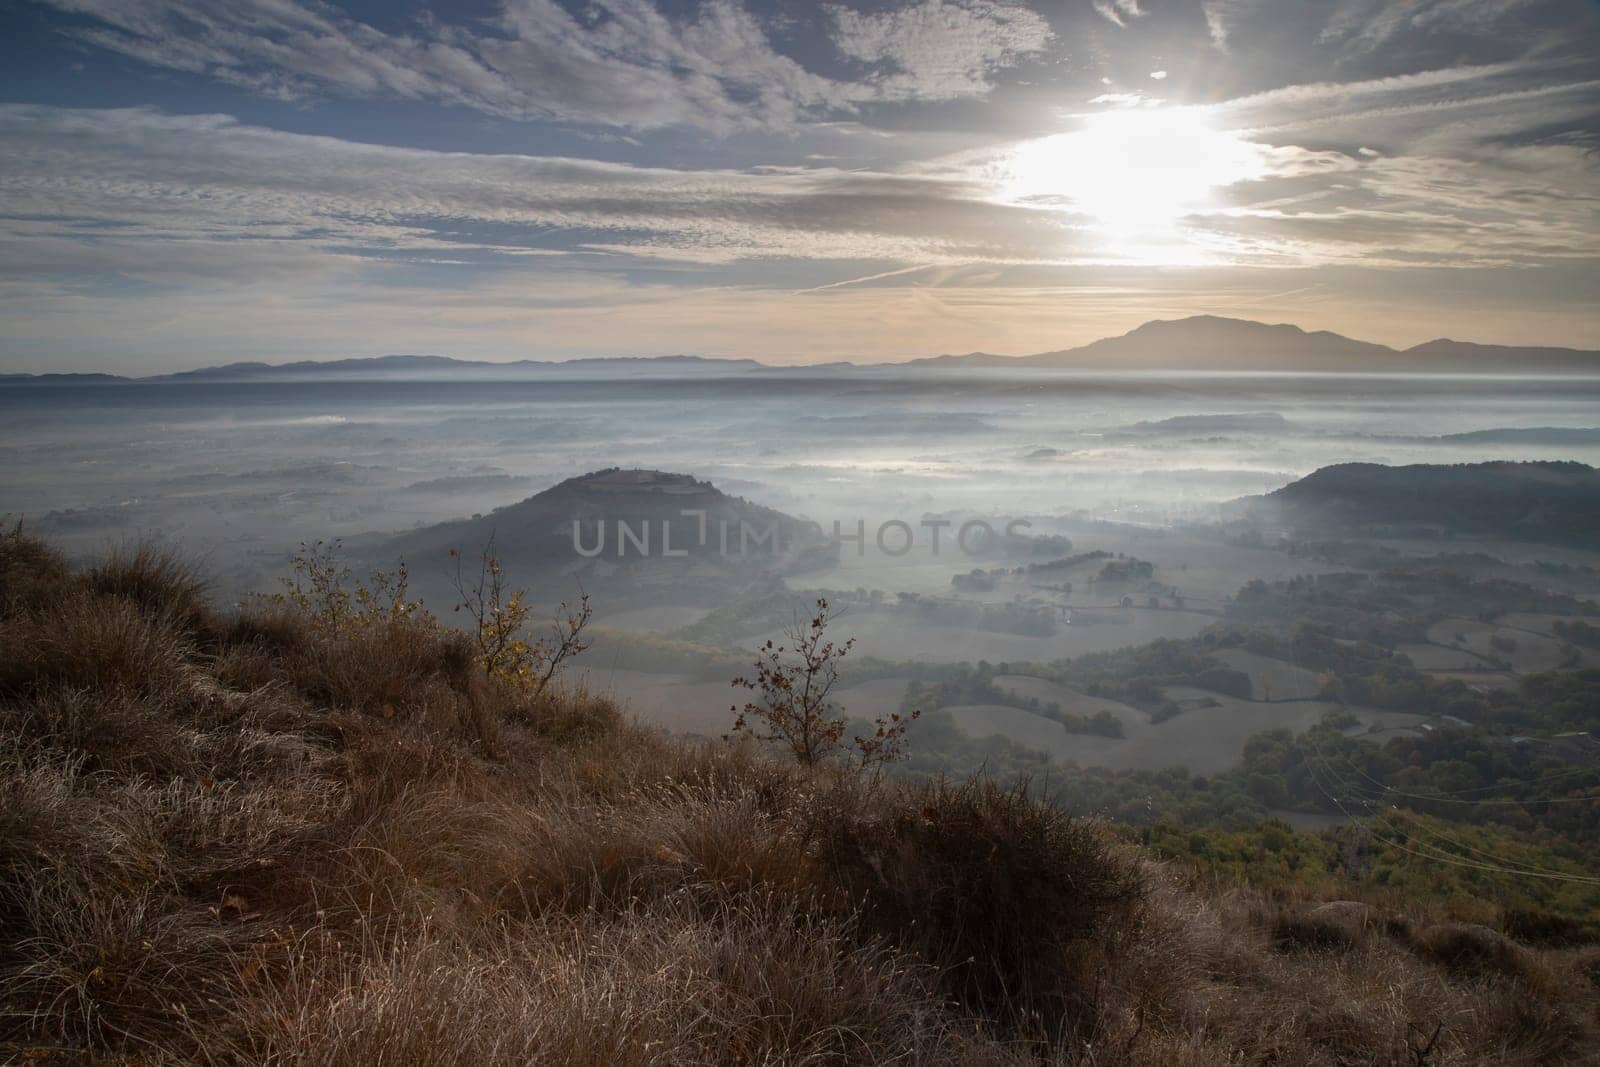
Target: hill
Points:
(280, 833)
(61, 379)
(633, 526)
(1548, 502)
(1211, 343)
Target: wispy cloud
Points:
(1361, 25)
(620, 63)
(1119, 11)
(108, 182)
(939, 49)
(201, 199)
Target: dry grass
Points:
(242, 839)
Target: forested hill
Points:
(1547, 502)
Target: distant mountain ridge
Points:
(1197, 343)
(1214, 343)
(407, 366)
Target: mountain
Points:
(1207, 342)
(1198, 343)
(1213, 343)
(1210, 343)
(61, 379)
(1546, 502)
(966, 362)
(1488, 358)
(405, 367)
(635, 528)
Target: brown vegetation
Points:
(248, 837)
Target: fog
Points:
(242, 472)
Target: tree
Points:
(794, 704)
(500, 626)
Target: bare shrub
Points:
(501, 618)
(795, 708)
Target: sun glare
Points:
(1134, 171)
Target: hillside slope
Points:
(328, 836)
(1549, 502)
(636, 527)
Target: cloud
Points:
(1217, 13)
(619, 63)
(206, 201)
(624, 64)
(145, 193)
(1119, 11)
(1270, 42)
(1362, 25)
(1459, 111)
(939, 49)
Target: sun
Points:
(1135, 171)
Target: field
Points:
(657, 618)
(1207, 737)
(1527, 652)
(672, 702)
(875, 699)
(1070, 700)
(1272, 679)
(897, 639)
(1427, 657)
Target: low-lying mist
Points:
(242, 472)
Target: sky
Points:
(185, 183)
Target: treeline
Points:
(1396, 606)
(1066, 563)
(937, 748)
(1369, 555)
(1139, 676)
(1548, 785)
(1579, 633)
(1463, 775)
(1392, 861)
(1126, 570)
